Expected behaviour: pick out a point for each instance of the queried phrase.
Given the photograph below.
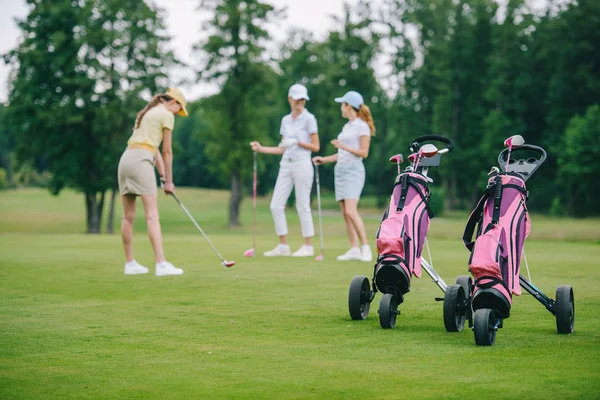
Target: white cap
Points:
(353, 98)
(298, 92)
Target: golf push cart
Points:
(401, 236)
(503, 224)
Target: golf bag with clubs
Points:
(401, 236)
(501, 223)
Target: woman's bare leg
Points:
(153, 223)
(351, 215)
(128, 201)
(350, 228)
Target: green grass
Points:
(72, 326)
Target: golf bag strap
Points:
(403, 191)
(492, 281)
(497, 187)
(406, 180)
(474, 219)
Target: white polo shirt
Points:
(350, 137)
(300, 128)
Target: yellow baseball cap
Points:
(177, 95)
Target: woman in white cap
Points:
(299, 138)
(153, 126)
(353, 146)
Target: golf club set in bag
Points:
(501, 223)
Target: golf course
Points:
(73, 326)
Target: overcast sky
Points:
(183, 24)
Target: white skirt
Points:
(349, 180)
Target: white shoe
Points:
(280, 250)
(166, 268)
(366, 254)
(352, 254)
(133, 268)
(304, 251)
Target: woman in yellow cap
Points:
(153, 126)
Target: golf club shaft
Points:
(254, 180)
(197, 226)
(319, 206)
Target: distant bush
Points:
(437, 200)
(26, 175)
(3, 180)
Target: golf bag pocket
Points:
(391, 236)
(489, 266)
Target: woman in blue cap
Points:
(353, 146)
(299, 137)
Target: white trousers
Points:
(297, 174)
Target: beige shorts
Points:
(136, 173)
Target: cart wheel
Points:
(454, 308)
(564, 306)
(483, 327)
(388, 310)
(467, 283)
(358, 298)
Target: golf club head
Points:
(514, 141)
(397, 159)
(319, 257)
(428, 150)
(249, 253)
(412, 158)
(494, 170)
(228, 264)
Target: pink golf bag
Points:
(502, 226)
(401, 235)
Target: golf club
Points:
(397, 159)
(223, 261)
(513, 141)
(320, 256)
(427, 150)
(252, 251)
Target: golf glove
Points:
(287, 143)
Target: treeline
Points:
(470, 70)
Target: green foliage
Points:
(239, 113)
(77, 76)
(437, 200)
(579, 166)
(3, 180)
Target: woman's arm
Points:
(363, 151)
(167, 155)
(314, 145)
(257, 147)
(325, 160)
(160, 166)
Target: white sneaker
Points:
(166, 268)
(352, 254)
(133, 268)
(280, 250)
(304, 251)
(366, 254)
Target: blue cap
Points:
(353, 98)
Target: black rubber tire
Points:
(564, 307)
(454, 310)
(388, 310)
(358, 296)
(483, 327)
(467, 283)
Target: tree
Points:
(77, 76)
(579, 165)
(234, 58)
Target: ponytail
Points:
(156, 100)
(365, 114)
